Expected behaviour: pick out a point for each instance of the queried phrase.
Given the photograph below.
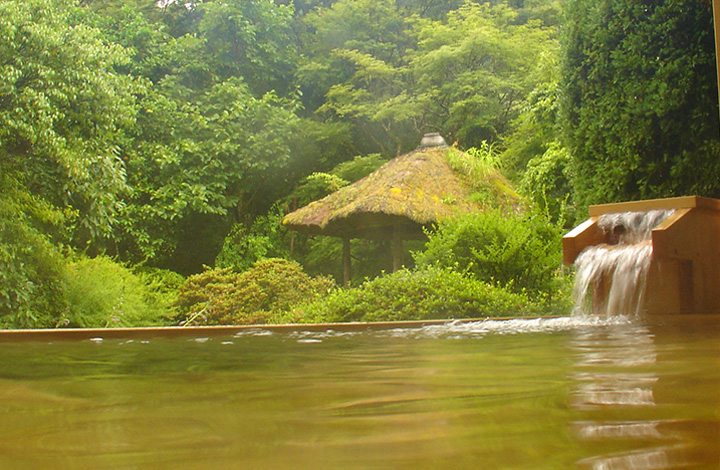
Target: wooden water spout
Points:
(684, 270)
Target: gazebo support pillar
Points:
(347, 263)
(397, 249)
(716, 23)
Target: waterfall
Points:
(611, 277)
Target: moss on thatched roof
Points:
(407, 193)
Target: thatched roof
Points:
(405, 194)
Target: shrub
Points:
(429, 293)
(547, 183)
(359, 167)
(31, 277)
(32, 267)
(265, 238)
(316, 186)
(222, 296)
(102, 293)
(518, 252)
(161, 288)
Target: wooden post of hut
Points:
(397, 248)
(347, 263)
(716, 23)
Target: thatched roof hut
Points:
(396, 201)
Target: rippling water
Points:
(520, 394)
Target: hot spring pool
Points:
(523, 394)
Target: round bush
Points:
(270, 286)
(520, 252)
(429, 293)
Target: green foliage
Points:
(640, 107)
(162, 286)
(373, 28)
(102, 293)
(63, 111)
(480, 170)
(270, 286)
(315, 187)
(547, 183)
(466, 73)
(31, 271)
(222, 156)
(475, 164)
(517, 252)
(353, 72)
(473, 70)
(359, 167)
(250, 39)
(537, 125)
(266, 238)
(41, 287)
(320, 184)
(154, 130)
(425, 294)
(147, 132)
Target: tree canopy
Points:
(157, 133)
(640, 99)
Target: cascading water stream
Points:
(611, 277)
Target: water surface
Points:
(540, 394)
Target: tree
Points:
(64, 111)
(209, 148)
(198, 166)
(251, 39)
(640, 99)
(376, 100)
(474, 70)
(64, 114)
(465, 75)
(370, 28)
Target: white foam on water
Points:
(253, 332)
(462, 329)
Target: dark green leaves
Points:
(640, 99)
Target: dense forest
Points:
(149, 150)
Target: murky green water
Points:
(552, 394)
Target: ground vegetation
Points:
(144, 143)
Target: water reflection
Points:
(612, 366)
(618, 430)
(645, 460)
(614, 372)
(614, 390)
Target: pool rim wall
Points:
(79, 334)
